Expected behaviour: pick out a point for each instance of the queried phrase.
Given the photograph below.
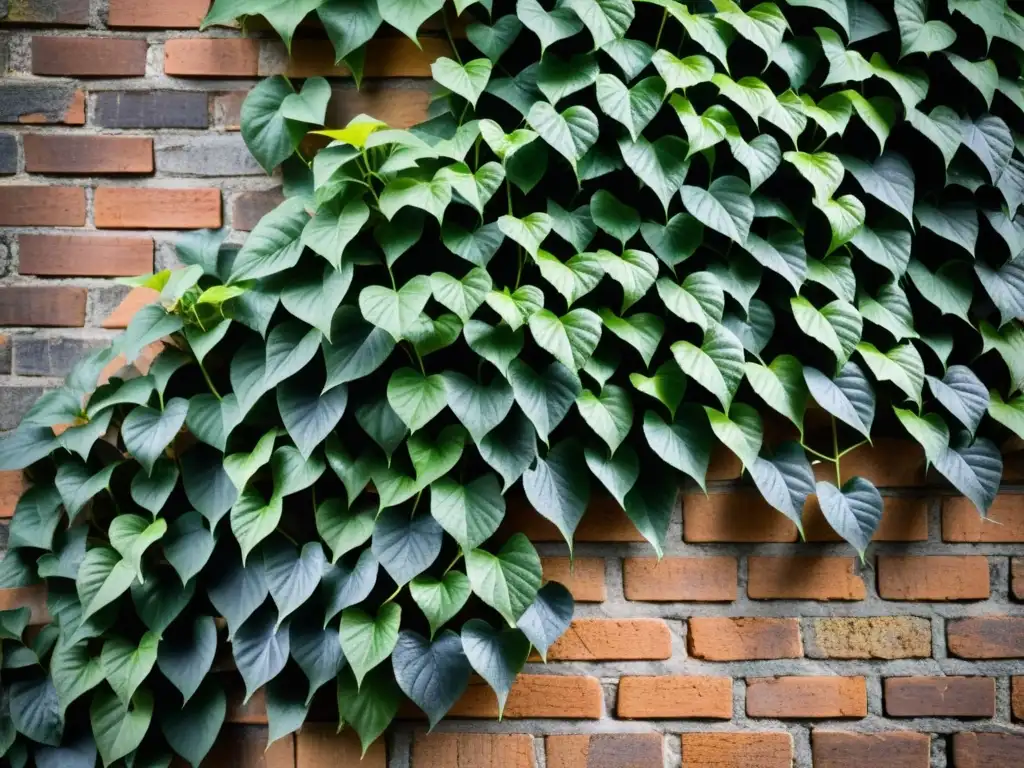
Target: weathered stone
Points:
(15, 402)
(151, 109)
(35, 103)
(8, 154)
(51, 355)
(876, 637)
(206, 156)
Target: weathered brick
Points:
(582, 576)
(875, 637)
(807, 697)
(804, 578)
(734, 516)
(85, 255)
(987, 750)
(1004, 522)
(248, 208)
(151, 109)
(12, 485)
(5, 358)
(245, 746)
(22, 206)
(212, 57)
(8, 154)
(604, 521)
(724, 464)
(15, 400)
(319, 745)
(127, 304)
(49, 153)
(937, 577)
(227, 110)
(70, 13)
(737, 750)
(1016, 695)
(605, 750)
(472, 750)
(399, 107)
(940, 696)
(89, 56)
(903, 519)
(888, 464)
(681, 579)
(725, 639)
(986, 637)
(891, 749)
(42, 305)
(1017, 578)
(210, 155)
(51, 355)
(33, 598)
(181, 14)
(643, 697)
(613, 639)
(153, 208)
(385, 57)
(31, 103)
(551, 696)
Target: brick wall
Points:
(741, 648)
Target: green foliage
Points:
(627, 231)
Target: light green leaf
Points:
(127, 665)
(407, 16)
(369, 640)
(661, 165)
(470, 513)
(634, 270)
(432, 195)
(574, 278)
(843, 66)
(507, 581)
(395, 311)
(902, 365)
(559, 78)
(440, 600)
(741, 431)
(467, 80)
(763, 25)
(275, 243)
(633, 107)
(571, 339)
(609, 414)
(550, 27)
(528, 231)
(781, 385)
(725, 206)
(717, 365)
(606, 19)
(570, 133)
(983, 75)
(119, 730)
(680, 74)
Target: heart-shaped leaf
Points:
(434, 675)
(854, 511)
(496, 655)
(507, 581)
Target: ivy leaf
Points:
(667, 385)
(606, 20)
(260, 648)
(956, 222)
(507, 581)
(680, 74)
(35, 711)
(1010, 413)
(618, 473)
(838, 325)
(467, 80)
(268, 134)
(346, 585)
(763, 25)
(440, 600)
(253, 518)
(574, 278)
(717, 364)
(785, 480)
(570, 133)
(119, 730)
(493, 41)
(545, 399)
(430, 195)
(974, 469)
(991, 141)
(132, 535)
(854, 511)
(949, 288)
(464, 296)
(470, 513)
(633, 107)
(370, 708)
(685, 444)
(434, 675)
(126, 666)
(102, 578)
(496, 655)
(890, 179)
(407, 16)
(74, 672)
(781, 385)
(548, 617)
(843, 65)
(741, 430)
(292, 577)
(558, 78)
(609, 414)
(889, 309)
(186, 657)
(395, 311)
(406, 547)
(332, 229)
(725, 206)
(941, 126)
(349, 25)
(237, 589)
(558, 487)
(649, 505)
(275, 243)
(1005, 287)
(192, 730)
(308, 415)
(510, 448)
(662, 165)
(367, 640)
(147, 432)
(641, 330)
(416, 398)
(550, 27)
(849, 397)
(756, 330)
(614, 217)
(632, 56)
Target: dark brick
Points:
(249, 207)
(8, 154)
(50, 355)
(896, 749)
(151, 109)
(89, 56)
(987, 750)
(49, 305)
(938, 696)
(6, 345)
(15, 402)
(36, 103)
(72, 13)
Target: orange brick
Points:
(903, 519)
(725, 639)
(613, 640)
(947, 696)
(938, 577)
(1017, 578)
(60, 154)
(737, 750)
(681, 579)
(12, 485)
(152, 208)
(1017, 697)
(643, 697)
(738, 516)
(42, 206)
(470, 750)
(91, 256)
(724, 464)
(182, 14)
(891, 749)
(33, 598)
(136, 299)
(385, 57)
(399, 107)
(89, 56)
(46, 305)
(243, 746)
(804, 578)
(807, 697)
(604, 521)
(888, 464)
(1005, 521)
(321, 746)
(636, 750)
(583, 576)
(986, 637)
(987, 750)
(550, 696)
(212, 57)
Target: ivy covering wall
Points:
(628, 233)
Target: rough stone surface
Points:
(206, 156)
(875, 637)
(151, 109)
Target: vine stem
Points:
(451, 40)
(661, 28)
(209, 382)
(392, 597)
(853, 448)
(836, 453)
(452, 564)
(819, 455)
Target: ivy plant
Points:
(627, 233)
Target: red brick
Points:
(888, 464)
(545, 696)
(58, 306)
(181, 14)
(681, 579)
(891, 749)
(1004, 523)
(243, 746)
(807, 697)
(319, 745)
(737, 750)
(12, 485)
(33, 598)
(136, 299)
(385, 57)
(212, 57)
(82, 255)
(399, 107)
(606, 750)
(940, 697)
(659, 698)
(724, 639)
(152, 208)
(724, 464)
(604, 521)
(1017, 578)
(987, 750)
(1017, 697)
(582, 576)
(903, 519)
(89, 56)
(613, 640)
(66, 154)
(937, 577)
(73, 113)
(248, 208)
(986, 637)
(252, 712)
(804, 578)
(470, 750)
(71, 13)
(734, 516)
(42, 206)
